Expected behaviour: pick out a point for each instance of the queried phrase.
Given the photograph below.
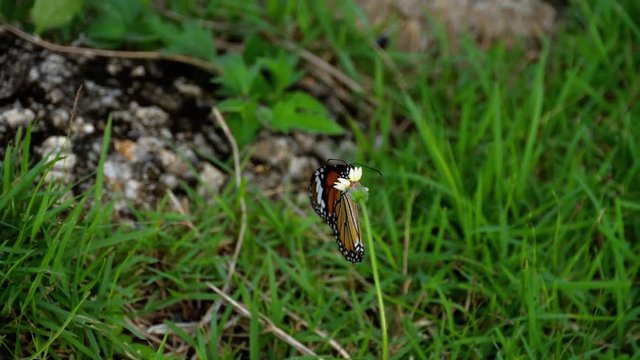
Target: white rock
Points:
(17, 117)
(212, 179)
(53, 145)
(138, 71)
(59, 147)
(271, 150)
(87, 128)
(150, 116)
(117, 171)
(132, 190)
(186, 88)
(60, 118)
(301, 167)
(170, 181)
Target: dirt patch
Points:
(487, 21)
(163, 134)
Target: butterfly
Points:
(330, 199)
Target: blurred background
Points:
(156, 159)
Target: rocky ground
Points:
(487, 21)
(163, 133)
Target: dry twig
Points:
(91, 52)
(323, 70)
(243, 209)
(74, 109)
(297, 318)
(318, 62)
(151, 337)
(73, 114)
(176, 205)
(266, 322)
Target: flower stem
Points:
(376, 278)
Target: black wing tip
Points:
(354, 256)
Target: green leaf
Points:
(193, 40)
(117, 21)
(281, 72)
(232, 105)
(303, 112)
(165, 30)
(257, 47)
(48, 14)
(12, 10)
(237, 78)
(241, 118)
(109, 27)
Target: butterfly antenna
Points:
(344, 162)
(368, 167)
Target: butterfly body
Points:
(336, 208)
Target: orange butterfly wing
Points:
(337, 210)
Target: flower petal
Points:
(342, 184)
(339, 186)
(355, 174)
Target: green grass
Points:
(505, 225)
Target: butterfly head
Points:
(345, 184)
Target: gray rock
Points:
(212, 180)
(58, 149)
(16, 117)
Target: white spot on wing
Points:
(319, 191)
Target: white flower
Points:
(342, 184)
(355, 173)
